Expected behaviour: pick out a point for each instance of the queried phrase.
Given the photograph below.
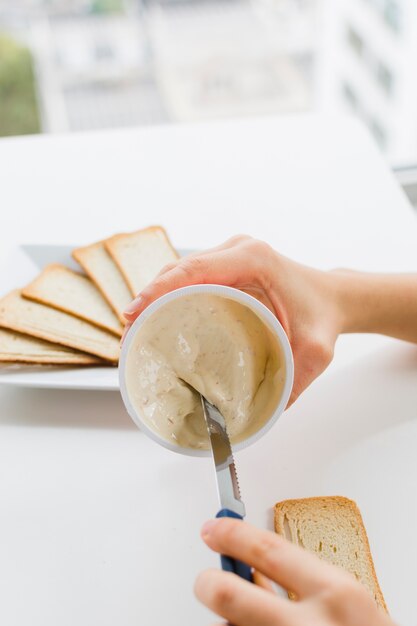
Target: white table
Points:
(98, 525)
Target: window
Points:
(378, 132)
(355, 41)
(103, 51)
(384, 77)
(389, 11)
(392, 14)
(350, 96)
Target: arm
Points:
(313, 306)
(377, 303)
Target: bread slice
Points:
(141, 255)
(332, 528)
(100, 267)
(44, 322)
(18, 348)
(73, 293)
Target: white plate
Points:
(23, 265)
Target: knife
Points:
(227, 482)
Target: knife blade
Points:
(227, 481)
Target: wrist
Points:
(331, 286)
(351, 308)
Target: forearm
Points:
(377, 303)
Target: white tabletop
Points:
(98, 525)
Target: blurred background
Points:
(72, 65)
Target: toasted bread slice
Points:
(141, 255)
(74, 293)
(44, 322)
(332, 528)
(100, 267)
(18, 348)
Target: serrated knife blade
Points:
(227, 480)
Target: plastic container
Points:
(228, 292)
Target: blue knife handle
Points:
(233, 565)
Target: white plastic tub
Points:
(227, 292)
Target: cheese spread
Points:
(210, 345)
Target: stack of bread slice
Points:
(76, 317)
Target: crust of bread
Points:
(39, 352)
(282, 508)
(78, 256)
(112, 243)
(89, 360)
(31, 292)
(7, 320)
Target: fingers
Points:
(241, 602)
(230, 243)
(222, 267)
(262, 581)
(291, 567)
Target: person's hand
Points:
(302, 298)
(326, 595)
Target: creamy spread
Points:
(206, 344)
